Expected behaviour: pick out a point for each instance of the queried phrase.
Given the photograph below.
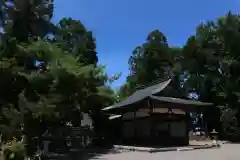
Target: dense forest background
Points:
(206, 68)
(50, 75)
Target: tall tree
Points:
(154, 60)
(74, 38)
(213, 64)
(48, 82)
(27, 18)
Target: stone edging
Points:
(153, 150)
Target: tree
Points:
(55, 93)
(48, 82)
(154, 60)
(213, 64)
(28, 18)
(207, 65)
(74, 38)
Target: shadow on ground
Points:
(83, 154)
(92, 153)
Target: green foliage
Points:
(14, 151)
(27, 19)
(50, 75)
(74, 38)
(230, 124)
(208, 64)
(48, 82)
(152, 61)
(213, 66)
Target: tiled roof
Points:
(141, 94)
(149, 92)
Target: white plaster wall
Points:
(165, 110)
(160, 110)
(178, 111)
(140, 113)
(128, 115)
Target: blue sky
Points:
(120, 25)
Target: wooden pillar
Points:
(121, 125)
(134, 127)
(205, 125)
(152, 134)
(169, 120)
(187, 121)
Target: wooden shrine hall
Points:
(152, 116)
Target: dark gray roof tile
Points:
(141, 95)
(180, 101)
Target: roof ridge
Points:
(154, 82)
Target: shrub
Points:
(14, 150)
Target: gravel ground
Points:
(226, 152)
